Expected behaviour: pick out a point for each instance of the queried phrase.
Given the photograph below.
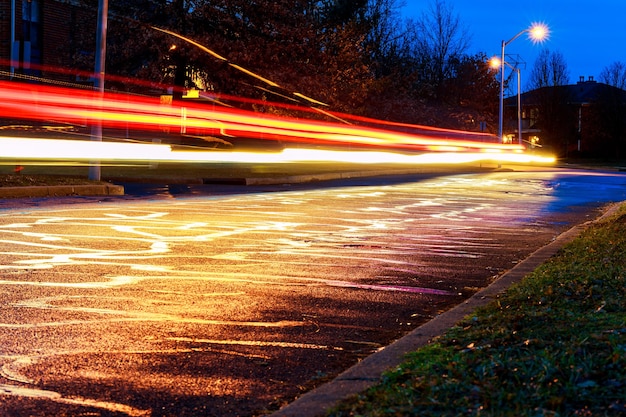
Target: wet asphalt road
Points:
(218, 300)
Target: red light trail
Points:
(124, 111)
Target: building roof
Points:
(583, 92)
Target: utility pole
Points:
(101, 46)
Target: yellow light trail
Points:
(120, 111)
(36, 149)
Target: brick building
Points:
(39, 36)
(586, 118)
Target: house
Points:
(583, 119)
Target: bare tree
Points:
(615, 75)
(387, 35)
(547, 78)
(550, 70)
(441, 39)
(611, 111)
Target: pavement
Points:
(368, 372)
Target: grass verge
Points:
(65, 175)
(552, 345)
(194, 172)
(19, 180)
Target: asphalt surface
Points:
(368, 370)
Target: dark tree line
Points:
(354, 56)
(357, 56)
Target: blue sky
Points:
(591, 35)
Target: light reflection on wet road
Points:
(234, 304)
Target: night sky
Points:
(590, 35)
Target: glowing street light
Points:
(537, 32)
(496, 63)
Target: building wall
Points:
(5, 31)
(57, 43)
(592, 126)
(66, 29)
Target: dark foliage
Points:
(355, 56)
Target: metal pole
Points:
(101, 43)
(519, 106)
(538, 37)
(501, 114)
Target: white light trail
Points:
(36, 149)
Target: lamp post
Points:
(101, 42)
(537, 32)
(519, 106)
(496, 63)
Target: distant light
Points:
(538, 32)
(495, 63)
(192, 93)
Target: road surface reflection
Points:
(220, 305)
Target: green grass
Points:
(552, 345)
(14, 180)
(180, 169)
(189, 172)
(60, 175)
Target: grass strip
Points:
(552, 345)
(187, 171)
(194, 173)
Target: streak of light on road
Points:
(121, 111)
(14, 148)
(114, 110)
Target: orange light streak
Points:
(373, 143)
(118, 110)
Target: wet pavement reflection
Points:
(232, 301)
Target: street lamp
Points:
(101, 42)
(496, 63)
(537, 32)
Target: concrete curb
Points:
(297, 179)
(369, 371)
(61, 190)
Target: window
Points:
(31, 29)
